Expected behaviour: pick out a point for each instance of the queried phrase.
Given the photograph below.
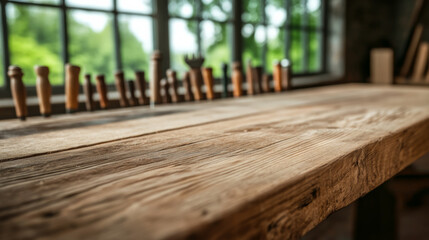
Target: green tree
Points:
(34, 39)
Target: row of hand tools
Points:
(162, 90)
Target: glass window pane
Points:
(253, 39)
(219, 10)
(34, 39)
(297, 12)
(252, 11)
(275, 11)
(314, 13)
(183, 40)
(276, 46)
(96, 4)
(214, 39)
(182, 8)
(136, 43)
(41, 1)
(315, 48)
(296, 51)
(91, 42)
(139, 6)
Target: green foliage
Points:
(133, 55)
(276, 49)
(34, 54)
(314, 52)
(91, 50)
(34, 39)
(296, 51)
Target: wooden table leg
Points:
(376, 215)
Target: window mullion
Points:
(237, 39)
(64, 36)
(5, 46)
(305, 38)
(324, 33)
(116, 36)
(198, 33)
(288, 32)
(264, 24)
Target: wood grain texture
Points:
(187, 86)
(277, 77)
(88, 89)
(102, 91)
(155, 80)
(237, 80)
(72, 87)
(172, 81)
(257, 73)
(44, 89)
(208, 82)
(141, 86)
(247, 170)
(19, 92)
(120, 87)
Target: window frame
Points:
(287, 27)
(198, 18)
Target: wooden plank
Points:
(409, 58)
(83, 129)
(269, 174)
(382, 65)
(421, 62)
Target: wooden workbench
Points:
(270, 166)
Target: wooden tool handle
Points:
(141, 86)
(208, 81)
(102, 91)
(44, 90)
(225, 80)
(72, 88)
(266, 83)
(250, 79)
(188, 88)
(166, 98)
(120, 87)
(237, 79)
(196, 83)
(277, 76)
(88, 90)
(132, 89)
(286, 78)
(155, 81)
(19, 92)
(257, 73)
(172, 81)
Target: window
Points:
(91, 43)
(277, 29)
(102, 36)
(200, 27)
(98, 35)
(34, 39)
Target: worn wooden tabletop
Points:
(269, 166)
